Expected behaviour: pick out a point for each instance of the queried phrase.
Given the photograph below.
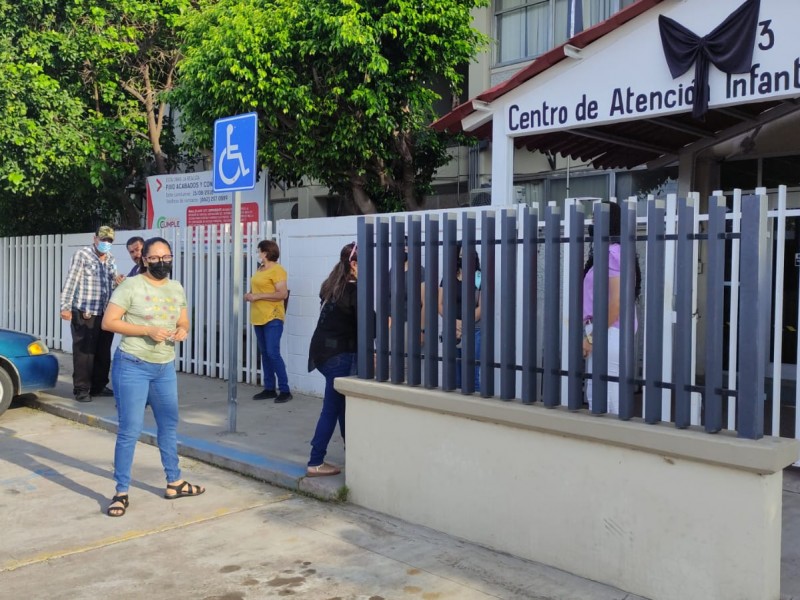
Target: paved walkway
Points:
(243, 539)
(272, 444)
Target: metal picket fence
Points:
(203, 265)
(30, 272)
(31, 269)
(530, 262)
(531, 317)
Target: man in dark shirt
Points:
(134, 246)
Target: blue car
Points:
(26, 365)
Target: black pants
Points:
(91, 354)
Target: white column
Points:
(685, 173)
(502, 163)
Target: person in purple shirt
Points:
(613, 310)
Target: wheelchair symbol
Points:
(231, 153)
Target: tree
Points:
(41, 133)
(130, 53)
(344, 89)
(84, 119)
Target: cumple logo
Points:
(167, 222)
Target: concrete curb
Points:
(280, 473)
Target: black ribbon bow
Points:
(729, 47)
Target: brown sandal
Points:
(183, 489)
(118, 511)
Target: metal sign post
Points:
(235, 162)
(234, 338)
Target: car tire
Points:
(6, 390)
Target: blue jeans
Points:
(477, 358)
(333, 405)
(137, 384)
(268, 337)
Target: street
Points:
(241, 539)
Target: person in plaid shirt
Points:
(92, 276)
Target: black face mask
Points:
(160, 270)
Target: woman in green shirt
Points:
(150, 313)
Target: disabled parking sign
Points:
(235, 153)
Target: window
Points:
(522, 29)
(581, 185)
(781, 170)
(769, 172)
(642, 182)
(538, 192)
(527, 28)
(742, 174)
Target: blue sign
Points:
(235, 153)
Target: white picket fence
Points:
(33, 268)
(31, 276)
(203, 258)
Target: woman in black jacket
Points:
(333, 352)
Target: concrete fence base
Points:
(664, 513)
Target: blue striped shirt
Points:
(89, 282)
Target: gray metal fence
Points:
(524, 350)
(404, 344)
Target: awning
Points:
(657, 141)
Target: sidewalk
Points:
(271, 442)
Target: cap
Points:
(105, 232)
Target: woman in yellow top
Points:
(267, 294)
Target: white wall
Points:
(665, 513)
(309, 250)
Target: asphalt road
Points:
(241, 539)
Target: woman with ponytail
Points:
(333, 352)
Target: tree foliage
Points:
(344, 89)
(83, 118)
(41, 133)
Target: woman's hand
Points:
(249, 297)
(159, 334)
(179, 334)
(587, 347)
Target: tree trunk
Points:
(130, 215)
(154, 125)
(405, 149)
(363, 202)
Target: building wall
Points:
(664, 513)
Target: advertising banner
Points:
(188, 200)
